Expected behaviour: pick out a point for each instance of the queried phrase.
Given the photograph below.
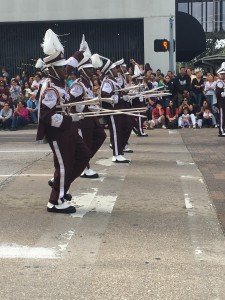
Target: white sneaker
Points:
(127, 150)
(120, 159)
(64, 208)
(164, 127)
(89, 173)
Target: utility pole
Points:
(171, 49)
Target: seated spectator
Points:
(172, 115)
(31, 79)
(35, 84)
(3, 88)
(189, 107)
(199, 115)
(6, 117)
(27, 89)
(20, 116)
(24, 78)
(152, 79)
(96, 87)
(32, 106)
(207, 118)
(5, 99)
(15, 90)
(158, 117)
(185, 119)
(151, 104)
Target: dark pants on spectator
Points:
(19, 121)
(6, 124)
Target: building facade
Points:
(115, 29)
(209, 13)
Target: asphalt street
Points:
(153, 229)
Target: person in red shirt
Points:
(20, 116)
(158, 116)
(172, 115)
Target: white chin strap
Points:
(55, 72)
(57, 76)
(83, 70)
(111, 73)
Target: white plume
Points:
(83, 44)
(223, 65)
(51, 43)
(87, 52)
(96, 61)
(137, 71)
(39, 63)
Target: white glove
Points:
(115, 99)
(77, 118)
(94, 108)
(141, 98)
(223, 94)
(126, 98)
(80, 107)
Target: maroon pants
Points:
(221, 106)
(71, 155)
(120, 127)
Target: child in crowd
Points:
(185, 119)
(207, 118)
(158, 116)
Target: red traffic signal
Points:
(161, 45)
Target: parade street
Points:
(152, 229)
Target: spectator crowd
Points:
(191, 101)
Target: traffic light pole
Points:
(171, 50)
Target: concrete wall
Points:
(155, 13)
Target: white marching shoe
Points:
(120, 159)
(127, 150)
(89, 173)
(64, 208)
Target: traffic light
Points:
(161, 45)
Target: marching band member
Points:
(122, 81)
(138, 102)
(118, 125)
(90, 129)
(70, 153)
(220, 94)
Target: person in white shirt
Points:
(209, 89)
(36, 83)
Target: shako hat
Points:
(54, 50)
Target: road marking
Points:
(105, 162)
(26, 175)
(91, 202)
(181, 163)
(67, 236)
(173, 131)
(25, 151)
(18, 251)
(187, 201)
